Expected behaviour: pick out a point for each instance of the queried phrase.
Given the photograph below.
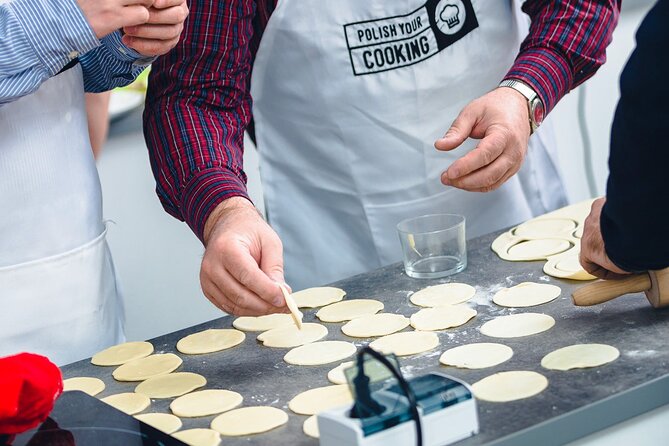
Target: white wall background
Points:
(158, 258)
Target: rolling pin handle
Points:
(605, 290)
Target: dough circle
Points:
(375, 325)
(476, 356)
(172, 385)
(263, 323)
(538, 249)
(545, 228)
(337, 376)
(322, 352)
(130, 403)
(318, 296)
(406, 343)
(349, 309)
(319, 399)
(209, 341)
(509, 386)
(444, 294)
(205, 402)
(91, 386)
(122, 353)
(145, 368)
(441, 318)
(310, 427)
(580, 356)
(249, 420)
(291, 336)
(526, 294)
(567, 267)
(517, 325)
(199, 437)
(164, 422)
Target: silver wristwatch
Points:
(535, 107)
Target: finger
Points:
(134, 15)
(458, 132)
(169, 16)
(271, 262)
(143, 3)
(484, 178)
(154, 32)
(150, 47)
(232, 297)
(248, 273)
(163, 4)
(487, 151)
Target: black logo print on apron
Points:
(390, 43)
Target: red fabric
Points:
(29, 386)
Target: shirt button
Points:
(73, 55)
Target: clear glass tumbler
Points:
(434, 245)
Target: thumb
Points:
(457, 133)
(271, 261)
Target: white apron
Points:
(58, 290)
(349, 98)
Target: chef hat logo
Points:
(450, 14)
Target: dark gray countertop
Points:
(575, 403)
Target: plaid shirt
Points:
(199, 101)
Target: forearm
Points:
(197, 110)
(634, 218)
(565, 46)
(37, 39)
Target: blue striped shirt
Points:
(39, 37)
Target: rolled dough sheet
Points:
(526, 294)
(199, 437)
(205, 402)
(567, 267)
(336, 375)
(320, 399)
(444, 294)
(539, 249)
(310, 427)
(130, 403)
(441, 318)
(318, 296)
(172, 385)
(517, 325)
(164, 422)
(509, 386)
(209, 341)
(249, 421)
(122, 353)
(406, 343)
(91, 386)
(349, 309)
(322, 352)
(291, 336)
(476, 356)
(145, 368)
(375, 325)
(580, 356)
(545, 228)
(263, 323)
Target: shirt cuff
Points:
(120, 51)
(56, 29)
(545, 70)
(206, 190)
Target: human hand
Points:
(107, 16)
(593, 255)
(243, 261)
(500, 120)
(161, 31)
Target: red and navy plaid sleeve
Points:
(198, 107)
(565, 46)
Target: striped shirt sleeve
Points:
(565, 46)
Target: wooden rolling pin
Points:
(654, 283)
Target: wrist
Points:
(535, 106)
(230, 206)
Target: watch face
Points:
(538, 112)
